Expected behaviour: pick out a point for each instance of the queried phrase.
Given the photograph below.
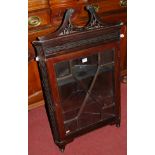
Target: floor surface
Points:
(108, 140)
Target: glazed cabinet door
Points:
(86, 88)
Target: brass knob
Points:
(96, 8)
(34, 21)
(123, 3)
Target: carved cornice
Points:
(80, 43)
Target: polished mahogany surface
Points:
(80, 74)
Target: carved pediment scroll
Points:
(68, 28)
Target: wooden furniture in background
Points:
(45, 16)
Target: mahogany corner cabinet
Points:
(80, 75)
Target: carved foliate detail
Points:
(47, 93)
(95, 21)
(68, 28)
(80, 43)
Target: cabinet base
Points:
(118, 125)
(62, 149)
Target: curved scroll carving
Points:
(95, 21)
(67, 27)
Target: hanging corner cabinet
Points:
(80, 75)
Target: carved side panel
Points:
(47, 95)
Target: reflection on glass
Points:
(86, 87)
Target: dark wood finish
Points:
(51, 14)
(93, 85)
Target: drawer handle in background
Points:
(123, 3)
(34, 21)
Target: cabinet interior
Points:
(86, 89)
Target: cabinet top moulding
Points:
(67, 31)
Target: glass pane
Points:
(86, 89)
